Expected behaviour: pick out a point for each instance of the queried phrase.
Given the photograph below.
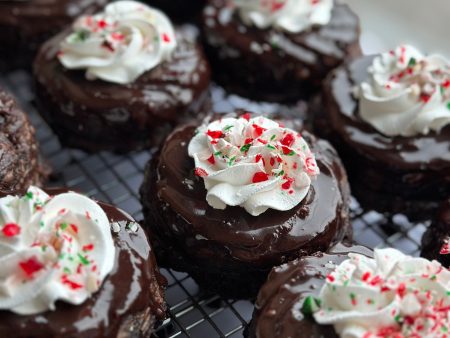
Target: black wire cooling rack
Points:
(116, 179)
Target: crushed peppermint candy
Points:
(251, 154)
(390, 296)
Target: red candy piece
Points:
(258, 129)
(71, 284)
(288, 140)
(74, 228)
(88, 247)
(214, 134)
(31, 266)
(246, 116)
(211, 159)
(287, 185)
(286, 150)
(11, 230)
(165, 37)
(200, 172)
(260, 177)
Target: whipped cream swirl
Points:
(292, 16)
(255, 163)
(119, 44)
(392, 295)
(51, 248)
(407, 93)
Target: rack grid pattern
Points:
(116, 179)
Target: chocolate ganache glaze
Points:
(436, 240)
(25, 24)
(20, 165)
(128, 304)
(400, 174)
(270, 64)
(230, 251)
(279, 303)
(97, 115)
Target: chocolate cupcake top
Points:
(68, 270)
(390, 295)
(255, 163)
(52, 249)
(318, 35)
(119, 44)
(292, 16)
(394, 108)
(407, 93)
(259, 168)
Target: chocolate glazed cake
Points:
(272, 65)
(24, 25)
(130, 303)
(278, 308)
(97, 115)
(20, 165)
(393, 174)
(436, 240)
(230, 251)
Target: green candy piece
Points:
(412, 62)
(310, 305)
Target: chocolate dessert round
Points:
(278, 306)
(130, 303)
(436, 240)
(24, 25)
(97, 115)
(230, 251)
(389, 174)
(179, 10)
(272, 65)
(20, 165)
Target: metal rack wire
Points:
(116, 179)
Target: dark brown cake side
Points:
(393, 174)
(24, 25)
(229, 251)
(20, 165)
(98, 115)
(129, 304)
(436, 240)
(272, 65)
(278, 306)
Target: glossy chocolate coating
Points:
(128, 304)
(231, 245)
(397, 173)
(99, 115)
(436, 236)
(246, 61)
(25, 24)
(19, 161)
(179, 10)
(278, 306)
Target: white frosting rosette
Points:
(254, 163)
(392, 295)
(119, 44)
(407, 93)
(292, 16)
(51, 248)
